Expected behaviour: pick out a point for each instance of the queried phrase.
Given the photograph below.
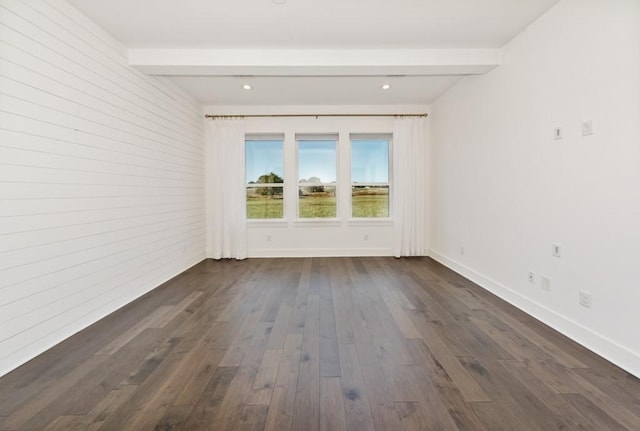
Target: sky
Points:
(317, 159)
(369, 160)
(263, 157)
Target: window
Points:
(264, 172)
(369, 176)
(317, 159)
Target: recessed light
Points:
(386, 86)
(247, 87)
(279, 1)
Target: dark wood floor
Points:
(319, 344)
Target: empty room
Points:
(319, 215)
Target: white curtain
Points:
(226, 193)
(409, 186)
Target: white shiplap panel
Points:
(49, 30)
(90, 112)
(101, 177)
(48, 272)
(28, 72)
(23, 207)
(23, 151)
(20, 130)
(18, 48)
(23, 254)
(68, 296)
(160, 271)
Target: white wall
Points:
(505, 190)
(101, 178)
(311, 238)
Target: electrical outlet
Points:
(532, 277)
(587, 128)
(546, 283)
(461, 250)
(556, 250)
(585, 299)
(268, 238)
(366, 237)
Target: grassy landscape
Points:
(320, 206)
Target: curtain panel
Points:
(410, 191)
(226, 200)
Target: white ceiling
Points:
(314, 24)
(321, 90)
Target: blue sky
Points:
(262, 158)
(369, 160)
(317, 159)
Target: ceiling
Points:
(337, 25)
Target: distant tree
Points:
(270, 178)
(313, 188)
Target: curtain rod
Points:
(423, 115)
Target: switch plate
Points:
(585, 299)
(557, 133)
(546, 283)
(556, 250)
(587, 128)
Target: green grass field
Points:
(364, 206)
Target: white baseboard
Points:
(321, 252)
(621, 356)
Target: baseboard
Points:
(321, 252)
(621, 356)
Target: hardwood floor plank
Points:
(466, 384)
(209, 405)
(329, 353)
(49, 394)
(248, 418)
(147, 322)
(411, 416)
(265, 380)
(356, 402)
(599, 419)
(282, 406)
(105, 408)
(362, 344)
(61, 423)
(307, 407)
(560, 407)
(332, 415)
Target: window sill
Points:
(318, 223)
(256, 223)
(355, 222)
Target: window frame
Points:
(280, 137)
(371, 137)
(317, 221)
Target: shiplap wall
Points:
(101, 178)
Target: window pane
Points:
(264, 202)
(264, 161)
(317, 201)
(370, 201)
(370, 161)
(317, 161)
